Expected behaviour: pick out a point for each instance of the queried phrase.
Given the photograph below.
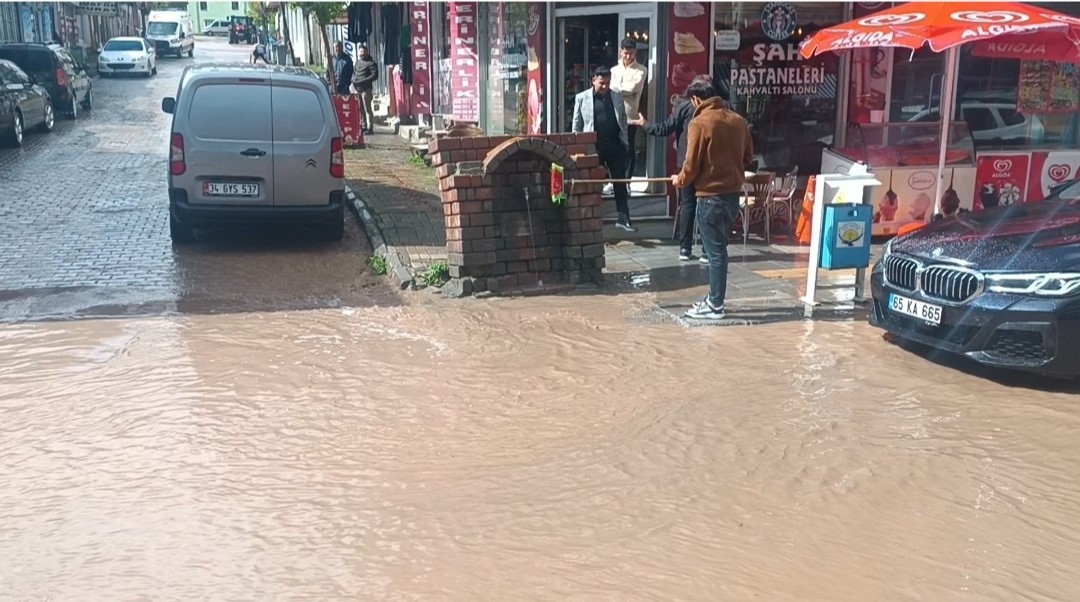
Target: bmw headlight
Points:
(1044, 284)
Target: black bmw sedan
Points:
(1000, 286)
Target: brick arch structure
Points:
(503, 233)
(546, 149)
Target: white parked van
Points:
(172, 32)
(254, 143)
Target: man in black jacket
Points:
(678, 123)
(343, 70)
(365, 73)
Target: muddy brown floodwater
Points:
(551, 449)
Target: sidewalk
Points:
(401, 199)
(399, 205)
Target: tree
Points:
(261, 14)
(323, 13)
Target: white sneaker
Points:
(609, 190)
(704, 310)
(703, 260)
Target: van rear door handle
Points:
(253, 152)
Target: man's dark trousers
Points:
(613, 157)
(631, 160)
(687, 212)
(716, 216)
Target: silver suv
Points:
(254, 143)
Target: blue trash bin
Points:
(846, 231)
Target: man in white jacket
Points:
(628, 78)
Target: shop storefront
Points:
(791, 104)
(1016, 132)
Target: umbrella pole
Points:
(945, 110)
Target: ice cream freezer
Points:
(904, 158)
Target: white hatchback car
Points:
(127, 55)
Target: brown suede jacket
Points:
(718, 150)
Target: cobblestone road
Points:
(84, 223)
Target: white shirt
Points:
(629, 81)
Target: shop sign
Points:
(104, 9)
(420, 48)
(534, 96)
(728, 40)
(783, 77)
(1000, 180)
(778, 21)
(464, 65)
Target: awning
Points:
(104, 9)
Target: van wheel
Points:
(335, 230)
(191, 52)
(180, 233)
(88, 102)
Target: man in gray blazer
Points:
(600, 109)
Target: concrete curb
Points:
(397, 270)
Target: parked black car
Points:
(1000, 286)
(241, 30)
(66, 80)
(23, 104)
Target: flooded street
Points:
(539, 449)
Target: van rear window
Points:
(230, 112)
(37, 62)
(298, 115)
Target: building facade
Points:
(205, 13)
(514, 68)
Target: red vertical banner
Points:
(420, 28)
(348, 114)
(464, 65)
(496, 112)
(534, 95)
(689, 39)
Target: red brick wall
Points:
(494, 242)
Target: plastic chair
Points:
(757, 190)
(783, 198)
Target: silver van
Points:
(254, 143)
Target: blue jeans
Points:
(716, 217)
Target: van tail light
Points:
(337, 158)
(177, 166)
(61, 78)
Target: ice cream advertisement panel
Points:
(689, 37)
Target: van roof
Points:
(168, 15)
(274, 72)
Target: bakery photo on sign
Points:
(789, 102)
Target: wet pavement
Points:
(84, 223)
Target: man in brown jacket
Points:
(718, 151)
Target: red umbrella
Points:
(943, 26)
(1001, 29)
